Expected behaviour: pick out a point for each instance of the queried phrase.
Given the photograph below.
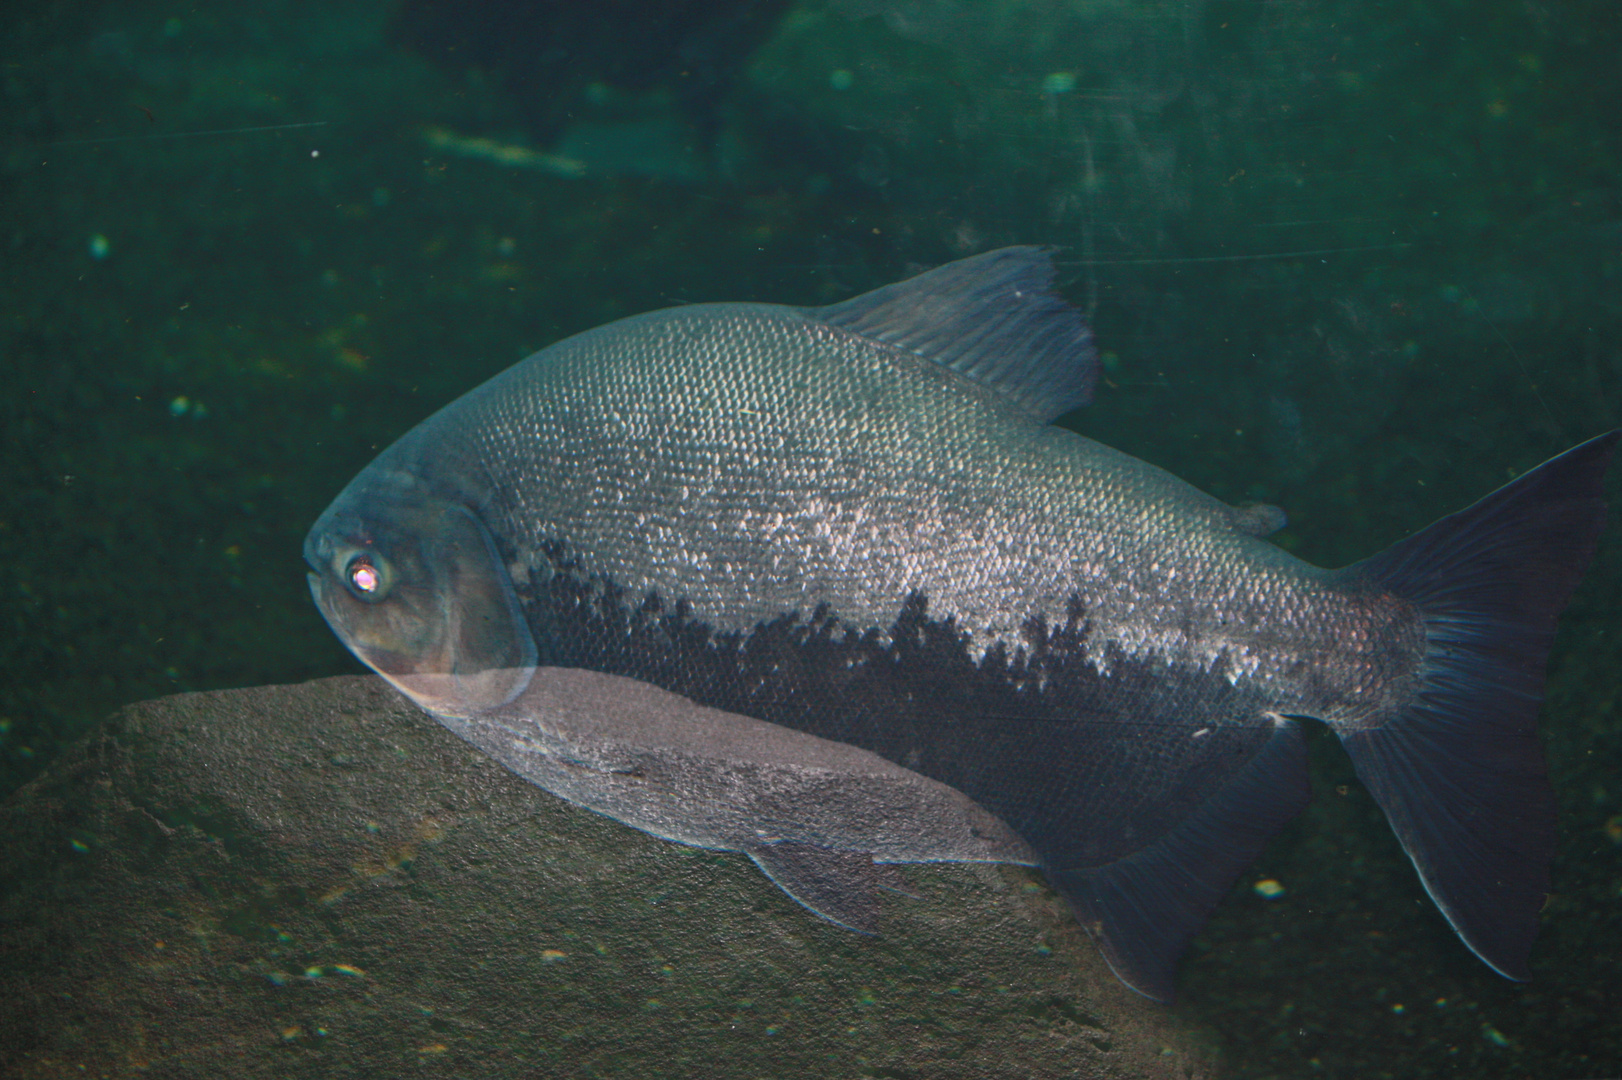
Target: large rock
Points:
(319, 880)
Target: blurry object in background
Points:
(557, 57)
(656, 147)
(513, 155)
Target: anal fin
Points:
(1143, 909)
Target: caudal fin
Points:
(1460, 772)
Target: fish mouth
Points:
(317, 581)
(318, 545)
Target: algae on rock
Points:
(320, 880)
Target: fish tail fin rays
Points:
(1143, 909)
(991, 318)
(1459, 772)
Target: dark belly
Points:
(1086, 767)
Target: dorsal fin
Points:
(990, 318)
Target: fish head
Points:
(411, 581)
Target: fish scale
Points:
(850, 534)
(896, 482)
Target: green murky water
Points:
(1363, 260)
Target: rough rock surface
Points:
(318, 880)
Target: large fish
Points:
(844, 597)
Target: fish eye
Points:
(364, 575)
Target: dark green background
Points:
(1362, 259)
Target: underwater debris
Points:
(510, 154)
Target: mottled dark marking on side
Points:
(1088, 768)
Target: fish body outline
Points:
(857, 524)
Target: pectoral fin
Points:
(840, 886)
